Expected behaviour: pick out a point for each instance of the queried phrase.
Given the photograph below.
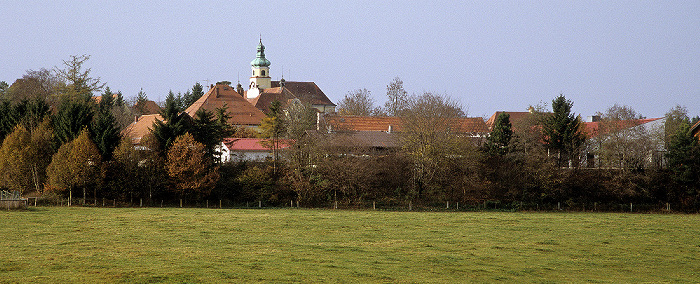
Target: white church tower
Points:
(260, 79)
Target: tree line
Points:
(59, 141)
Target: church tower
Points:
(260, 79)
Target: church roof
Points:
(269, 95)
(240, 110)
(306, 92)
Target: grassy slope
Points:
(210, 245)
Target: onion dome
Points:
(260, 60)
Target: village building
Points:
(518, 119)
(241, 112)
(141, 126)
(379, 134)
(248, 149)
(146, 107)
(262, 91)
(638, 141)
(245, 108)
(695, 130)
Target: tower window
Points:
(262, 72)
(253, 72)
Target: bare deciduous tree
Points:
(623, 142)
(357, 102)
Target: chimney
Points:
(136, 118)
(239, 89)
(217, 91)
(389, 131)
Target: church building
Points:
(262, 91)
(246, 108)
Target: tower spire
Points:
(260, 79)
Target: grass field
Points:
(136, 245)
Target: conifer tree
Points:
(499, 141)
(684, 157)
(72, 117)
(176, 123)
(104, 131)
(563, 130)
(209, 131)
(192, 96)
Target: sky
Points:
(487, 55)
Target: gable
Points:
(241, 111)
(140, 127)
(265, 99)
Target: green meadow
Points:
(176, 245)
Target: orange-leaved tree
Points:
(76, 164)
(15, 166)
(189, 170)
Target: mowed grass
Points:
(149, 245)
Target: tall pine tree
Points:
(73, 115)
(104, 131)
(563, 131)
(498, 142)
(176, 123)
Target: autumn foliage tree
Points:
(188, 168)
(15, 163)
(76, 164)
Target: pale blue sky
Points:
(489, 55)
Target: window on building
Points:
(262, 72)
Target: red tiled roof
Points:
(363, 123)
(695, 129)
(251, 144)
(515, 117)
(382, 123)
(148, 107)
(595, 129)
(240, 110)
(140, 127)
(269, 95)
